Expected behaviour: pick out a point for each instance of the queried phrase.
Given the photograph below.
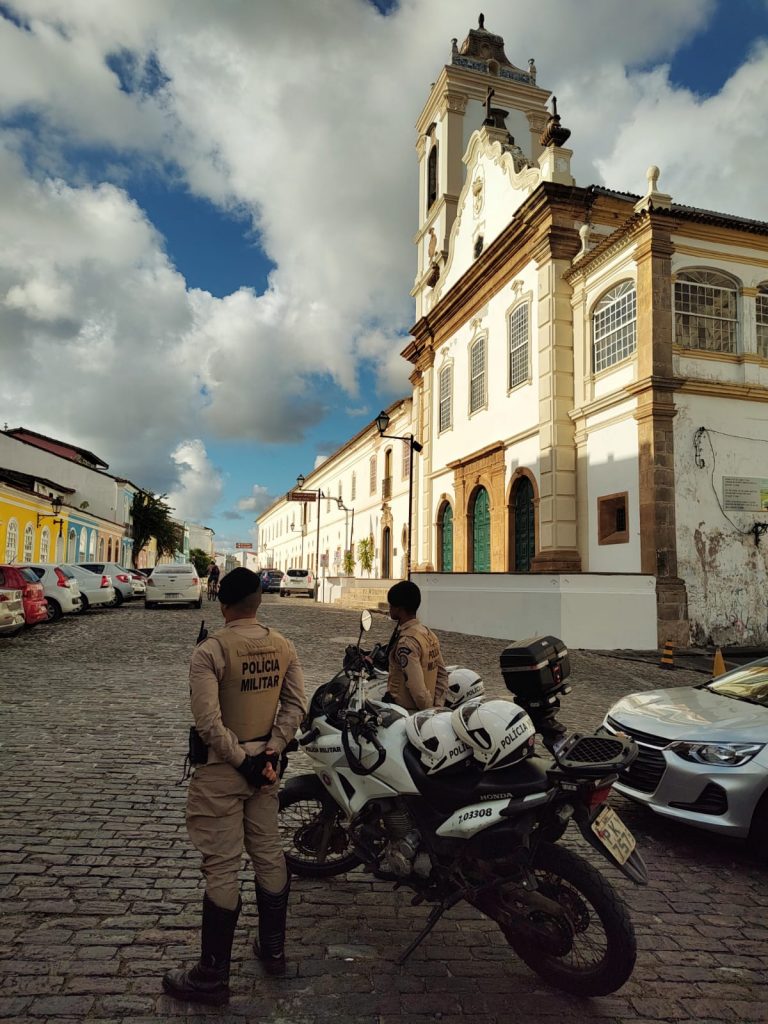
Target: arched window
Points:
(706, 311)
(477, 391)
(92, 546)
(445, 412)
(72, 547)
(432, 176)
(109, 550)
(386, 490)
(354, 486)
(614, 326)
(480, 518)
(12, 541)
(445, 538)
(82, 545)
(29, 542)
(519, 332)
(761, 312)
(372, 473)
(45, 544)
(101, 549)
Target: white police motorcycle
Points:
(457, 806)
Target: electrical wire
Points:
(741, 437)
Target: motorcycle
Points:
(461, 832)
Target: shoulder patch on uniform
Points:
(402, 654)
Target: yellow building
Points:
(33, 523)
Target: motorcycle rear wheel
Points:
(314, 835)
(599, 948)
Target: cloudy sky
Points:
(206, 206)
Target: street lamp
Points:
(56, 504)
(300, 481)
(343, 508)
(382, 422)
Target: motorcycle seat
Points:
(467, 783)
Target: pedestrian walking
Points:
(247, 696)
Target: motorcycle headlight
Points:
(726, 755)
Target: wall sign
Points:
(745, 493)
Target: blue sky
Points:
(220, 208)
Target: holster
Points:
(198, 750)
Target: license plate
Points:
(172, 595)
(614, 834)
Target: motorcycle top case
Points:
(534, 669)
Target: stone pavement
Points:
(100, 890)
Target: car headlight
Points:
(727, 755)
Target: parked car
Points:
(138, 581)
(16, 577)
(271, 580)
(62, 592)
(119, 577)
(96, 590)
(297, 581)
(703, 752)
(174, 584)
(11, 612)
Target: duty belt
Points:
(257, 739)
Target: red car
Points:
(17, 577)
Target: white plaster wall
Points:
(507, 413)
(584, 610)
(612, 467)
(726, 575)
(98, 489)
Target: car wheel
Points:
(85, 604)
(118, 598)
(54, 610)
(198, 603)
(758, 832)
(150, 604)
(310, 594)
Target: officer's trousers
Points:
(225, 814)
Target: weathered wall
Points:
(725, 573)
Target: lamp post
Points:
(300, 481)
(343, 508)
(382, 422)
(56, 504)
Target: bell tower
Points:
(454, 109)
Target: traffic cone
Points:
(718, 666)
(667, 656)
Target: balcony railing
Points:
(386, 488)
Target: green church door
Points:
(481, 532)
(446, 537)
(525, 534)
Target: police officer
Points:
(417, 675)
(247, 695)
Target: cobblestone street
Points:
(101, 890)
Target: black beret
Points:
(405, 594)
(237, 585)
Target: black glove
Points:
(253, 767)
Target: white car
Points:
(60, 586)
(11, 612)
(96, 590)
(138, 582)
(297, 581)
(174, 584)
(120, 578)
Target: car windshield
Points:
(749, 683)
(296, 572)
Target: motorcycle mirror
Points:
(366, 620)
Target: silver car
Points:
(703, 752)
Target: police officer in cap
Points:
(417, 675)
(247, 695)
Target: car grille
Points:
(646, 772)
(711, 800)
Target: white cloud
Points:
(199, 483)
(301, 116)
(257, 500)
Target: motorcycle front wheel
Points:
(591, 949)
(313, 832)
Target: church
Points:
(590, 379)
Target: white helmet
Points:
(431, 733)
(499, 731)
(463, 684)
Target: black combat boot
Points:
(208, 981)
(270, 945)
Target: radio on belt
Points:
(535, 670)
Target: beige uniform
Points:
(247, 693)
(417, 675)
